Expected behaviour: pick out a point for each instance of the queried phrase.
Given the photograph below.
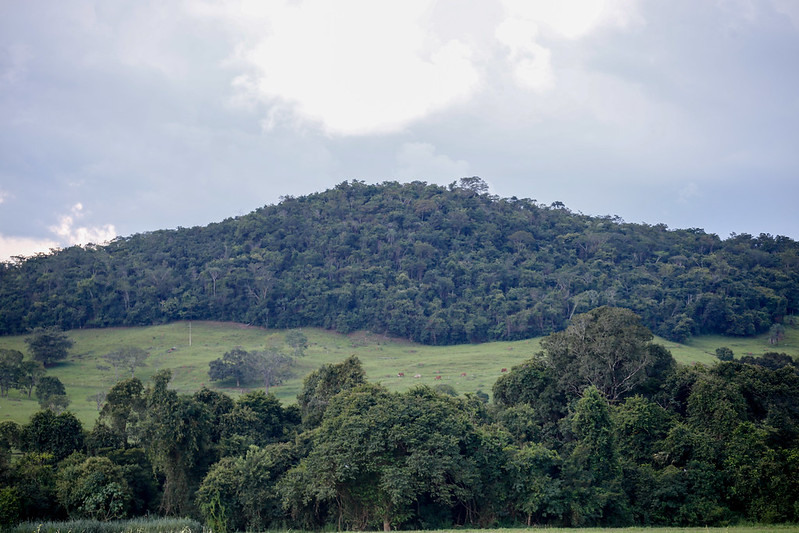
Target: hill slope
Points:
(85, 373)
(437, 265)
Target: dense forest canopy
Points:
(438, 265)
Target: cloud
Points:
(420, 161)
(354, 67)
(72, 235)
(23, 246)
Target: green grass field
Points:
(468, 368)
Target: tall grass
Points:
(137, 525)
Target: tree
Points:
(10, 369)
(124, 402)
(29, 374)
(126, 358)
(93, 488)
(55, 434)
(271, 366)
(51, 393)
(237, 364)
(321, 385)
(376, 453)
(177, 436)
(593, 468)
(724, 354)
(241, 493)
(48, 345)
(298, 342)
(606, 348)
(257, 419)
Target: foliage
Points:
(322, 384)
(48, 344)
(126, 358)
(55, 434)
(93, 488)
(51, 393)
(438, 265)
(606, 348)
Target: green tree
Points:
(321, 385)
(93, 488)
(176, 434)
(126, 358)
(51, 393)
(593, 467)
(606, 348)
(48, 345)
(241, 493)
(237, 364)
(10, 370)
(537, 489)
(724, 354)
(55, 434)
(125, 402)
(29, 374)
(376, 453)
(257, 419)
(298, 342)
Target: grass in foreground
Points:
(167, 525)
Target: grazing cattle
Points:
(438, 377)
(401, 374)
(504, 369)
(463, 374)
(417, 376)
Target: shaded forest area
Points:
(437, 265)
(601, 428)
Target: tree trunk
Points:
(386, 524)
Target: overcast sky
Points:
(120, 117)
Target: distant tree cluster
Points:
(601, 428)
(438, 265)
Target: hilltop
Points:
(431, 264)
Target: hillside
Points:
(85, 373)
(435, 265)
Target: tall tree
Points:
(48, 345)
(10, 369)
(607, 348)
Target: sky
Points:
(122, 117)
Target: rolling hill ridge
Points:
(432, 264)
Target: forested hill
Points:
(433, 264)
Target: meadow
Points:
(186, 348)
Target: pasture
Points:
(186, 348)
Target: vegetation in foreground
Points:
(601, 429)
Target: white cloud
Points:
(71, 235)
(23, 246)
(420, 161)
(355, 67)
(527, 20)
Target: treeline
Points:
(438, 265)
(601, 428)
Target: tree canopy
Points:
(438, 265)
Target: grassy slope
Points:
(383, 359)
